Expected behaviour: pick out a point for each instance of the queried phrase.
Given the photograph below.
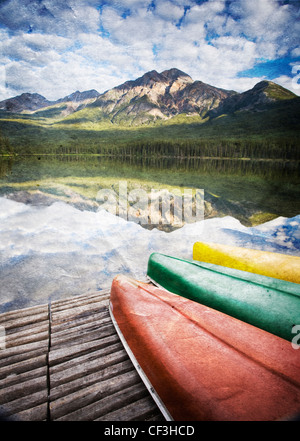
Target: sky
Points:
(55, 47)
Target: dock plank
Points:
(15, 378)
(23, 313)
(23, 352)
(88, 319)
(65, 361)
(66, 388)
(137, 411)
(22, 404)
(98, 409)
(78, 370)
(92, 394)
(37, 413)
(83, 334)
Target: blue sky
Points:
(54, 48)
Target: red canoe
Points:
(203, 364)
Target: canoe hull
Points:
(268, 303)
(266, 263)
(203, 364)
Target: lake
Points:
(253, 191)
(56, 242)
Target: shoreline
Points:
(116, 156)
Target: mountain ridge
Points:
(28, 101)
(153, 96)
(159, 96)
(255, 99)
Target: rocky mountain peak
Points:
(25, 101)
(79, 96)
(262, 85)
(174, 74)
(261, 95)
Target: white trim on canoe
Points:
(140, 371)
(158, 285)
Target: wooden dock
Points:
(65, 361)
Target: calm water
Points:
(54, 251)
(251, 191)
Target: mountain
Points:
(69, 104)
(259, 98)
(26, 101)
(33, 102)
(158, 96)
(153, 96)
(78, 97)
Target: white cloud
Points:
(238, 84)
(205, 12)
(296, 52)
(234, 54)
(51, 16)
(289, 83)
(83, 44)
(267, 22)
(169, 11)
(39, 50)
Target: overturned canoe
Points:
(203, 364)
(268, 303)
(280, 266)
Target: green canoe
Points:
(265, 302)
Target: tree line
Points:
(282, 148)
(264, 149)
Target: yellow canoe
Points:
(279, 266)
